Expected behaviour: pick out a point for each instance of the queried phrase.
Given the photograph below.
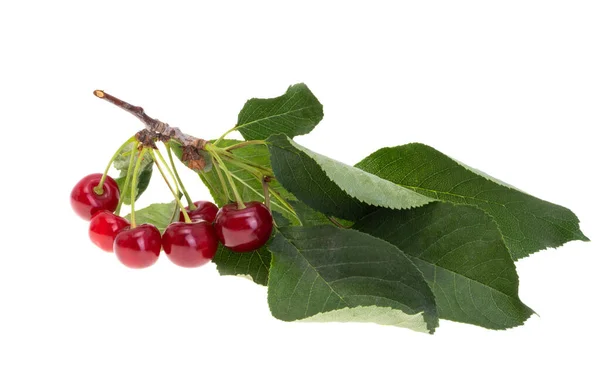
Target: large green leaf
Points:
(460, 251)
(332, 187)
(159, 215)
(329, 273)
(294, 113)
(121, 163)
(528, 224)
(255, 264)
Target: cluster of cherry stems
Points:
(190, 242)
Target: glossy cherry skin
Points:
(243, 230)
(190, 244)
(139, 247)
(85, 202)
(205, 210)
(104, 227)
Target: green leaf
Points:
(320, 269)
(121, 163)
(334, 188)
(528, 224)
(142, 184)
(311, 217)
(159, 215)
(249, 187)
(255, 263)
(462, 255)
(294, 113)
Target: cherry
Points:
(138, 247)
(190, 244)
(205, 210)
(245, 229)
(104, 227)
(86, 202)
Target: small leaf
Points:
(334, 188)
(528, 224)
(255, 263)
(159, 215)
(145, 174)
(142, 184)
(316, 270)
(121, 162)
(294, 113)
(462, 255)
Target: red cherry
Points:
(190, 244)
(205, 210)
(138, 247)
(86, 202)
(245, 229)
(104, 227)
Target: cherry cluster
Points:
(188, 244)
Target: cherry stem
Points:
(255, 191)
(164, 162)
(99, 189)
(336, 222)
(191, 205)
(127, 179)
(265, 185)
(175, 195)
(279, 198)
(244, 144)
(238, 198)
(221, 179)
(246, 164)
(134, 185)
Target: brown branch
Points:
(155, 129)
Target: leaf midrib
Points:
(316, 272)
(354, 276)
(272, 116)
(465, 277)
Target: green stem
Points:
(99, 189)
(336, 222)
(224, 153)
(134, 185)
(191, 205)
(245, 164)
(175, 194)
(164, 162)
(225, 134)
(127, 179)
(244, 144)
(279, 198)
(265, 186)
(257, 193)
(238, 198)
(221, 179)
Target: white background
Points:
(511, 88)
